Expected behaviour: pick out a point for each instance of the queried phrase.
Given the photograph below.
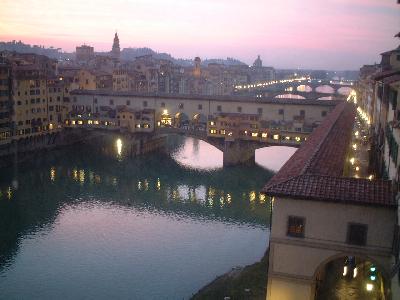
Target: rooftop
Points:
(315, 170)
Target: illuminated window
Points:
(146, 126)
(264, 134)
(180, 105)
(73, 122)
(137, 125)
(96, 122)
(296, 226)
(80, 122)
(212, 123)
(298, 139)
(222, 131)
(357, 234)
(254, 134)
(276, 137)
(213, 131)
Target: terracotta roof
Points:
(336, 189)
(315, 170)
(384, 74)
(392, 79)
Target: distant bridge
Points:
(285, 86)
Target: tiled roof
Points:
(315, 170)
(384, 74)
(392, 79)
(336, 189)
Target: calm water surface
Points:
(86, 222)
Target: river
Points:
(87, 223)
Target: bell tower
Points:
(116, 51)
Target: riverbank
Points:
(249, 282)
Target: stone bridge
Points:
(281, 87)
(238, 150)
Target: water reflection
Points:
(188, 155)
(274, 157)
(87, 207)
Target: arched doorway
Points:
(199, 122)
(351, 277)
(181, 120)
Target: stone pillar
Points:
(238, 152)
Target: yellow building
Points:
(135, 120)
(86, 80)
(234, 125)
(30, 98)
(5, 104)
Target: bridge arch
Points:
(345, 90)
(325, 88)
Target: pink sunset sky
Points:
(319, 34)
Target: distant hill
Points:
(126, 54)
(132, 53)
(21, 47)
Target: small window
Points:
(296, 226)
(357, 234)
(323, 113)
(128, 102)
(281, 111)
(111, 102)
(302, 113)
(144, 103)
(95, 100)
(162, 104)
(200, 106)
(180, 105)
(219, 108)
(239, 109)
(260, 110)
